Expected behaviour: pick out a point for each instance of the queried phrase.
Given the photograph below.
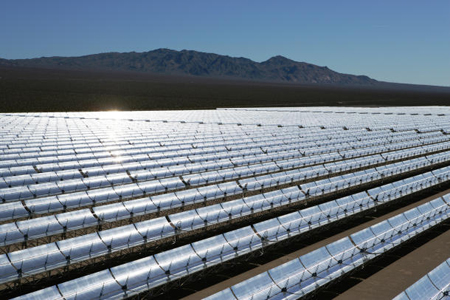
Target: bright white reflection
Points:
(115, 131)
(113, 114)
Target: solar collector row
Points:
(23, 193)
(46, 257)
(178, 199)
(172, 139)
(192, 179)
(143, 156)
(147, 152)
(309, 119)
(315, 268)
(307, 273)
(18, 232)
(143, 142)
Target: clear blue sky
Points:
(399, 41)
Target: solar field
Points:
(167, 204)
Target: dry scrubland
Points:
(35, 90)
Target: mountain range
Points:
(194, 63)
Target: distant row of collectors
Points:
(16, 209)
(8, 193)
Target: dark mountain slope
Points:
(193, 63)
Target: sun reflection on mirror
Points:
(114, 118)
(113, 114)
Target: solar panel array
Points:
(305, 274)
(78, 189)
